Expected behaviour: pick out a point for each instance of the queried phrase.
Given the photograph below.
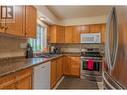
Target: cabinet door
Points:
(15, 27)
(53, 73)
(7, 82)
(75, 66)
(59, 34)
(67, 65)
(95, 28)
(2, 25)
(31, 21)
(103, 33)
(59, 68)
(68, 34)
(24, 79)
(84, 29)
(76, 34)
(52, 32)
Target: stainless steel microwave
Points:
(90, 38)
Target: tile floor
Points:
(77, 83)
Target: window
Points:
(40, 42)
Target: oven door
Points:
(91, 75)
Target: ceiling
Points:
(69, 12)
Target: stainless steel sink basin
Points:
(46, 55)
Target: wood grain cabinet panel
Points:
(103, 33)
(15, 27)
(56, 34)
(84, 29)
(68, 34)
(53, 73)
(71, 66)
(7, 82)
(1, 23)
(76, 34)
(24, 79)
(95, 28)
(30, 21)
(59, 68)
(75, 66)
(67, 65)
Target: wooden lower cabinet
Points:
(59, 68)
(18, 80)
(67, 65)
(7, 82)
(75, 66)
(24, 79)
(71, 66)
(53, 73)
(56, 70)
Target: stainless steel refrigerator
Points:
(115, 65)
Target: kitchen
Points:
(57, 47)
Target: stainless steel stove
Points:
(94, 74)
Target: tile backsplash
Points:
(10, 46)
(77, 47)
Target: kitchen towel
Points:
(90, 64)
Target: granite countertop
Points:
(14, 66)
(8, 67)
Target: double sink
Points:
(46, 55)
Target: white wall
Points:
(85, 20)
(44, 12)
(52, 19)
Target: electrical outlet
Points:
(23, 45)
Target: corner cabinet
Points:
(71, 66)
(56, 34)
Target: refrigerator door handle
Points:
(116, 37)
(107, 52)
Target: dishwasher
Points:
(41, 77)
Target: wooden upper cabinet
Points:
(15, 26)
(1, 24)
(60, 34)
(52, 30)
(84, 29)
(30, 21)
(76, 34)
(56, 34)
(103, 33)
(95, 28)
(68, 34)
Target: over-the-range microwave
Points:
(90, 38)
